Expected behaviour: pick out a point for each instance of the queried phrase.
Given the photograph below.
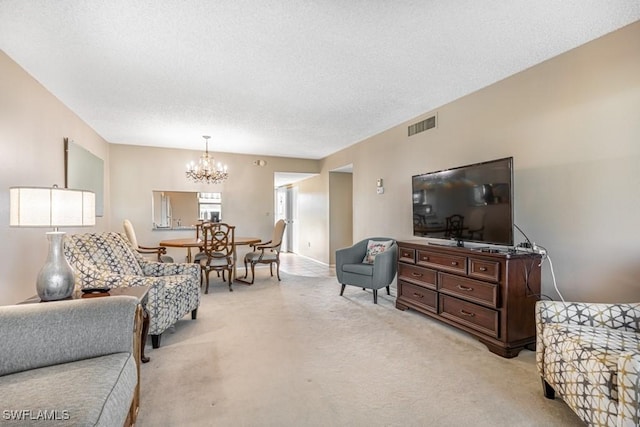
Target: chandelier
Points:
(206, 171)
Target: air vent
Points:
(426, 124)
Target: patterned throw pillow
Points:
(374, 248)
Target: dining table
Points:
(193, 242)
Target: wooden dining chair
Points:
(266, 252)
(219, 246)
(454, 226)
(199, 235)
(159, 251)
(199, 225)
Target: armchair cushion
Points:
(363, 269)
(375, 247)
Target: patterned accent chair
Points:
(107, 260)
(589, 354)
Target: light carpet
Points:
(295, 353)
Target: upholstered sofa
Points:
(108, 260)
(73, 362)
(589, 354)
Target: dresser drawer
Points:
(456, 264)
(482, 319)
(418, 275)
(425, 298)
(483, 269)
(407, 255)
(469, 289)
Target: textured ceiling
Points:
(285, 78)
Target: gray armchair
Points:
(351, 270)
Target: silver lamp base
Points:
(56, 279)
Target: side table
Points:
(139, 292)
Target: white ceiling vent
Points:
(425, 124)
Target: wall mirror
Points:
(179, 210)
(84, 171)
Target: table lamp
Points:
(52, 207)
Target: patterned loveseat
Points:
(590, 355)
(108, 260)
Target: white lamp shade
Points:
(51, 207)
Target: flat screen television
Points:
(471, 203)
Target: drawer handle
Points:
(417, 295)
(466, 313)
(454, 262)
(483, 268)
(425, 258)
(414, 274)
(465, 288)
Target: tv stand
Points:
(490, 295)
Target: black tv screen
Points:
(468, 203)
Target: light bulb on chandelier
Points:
(206, 171)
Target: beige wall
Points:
(247, 196)
(572, 126)
(33, 124)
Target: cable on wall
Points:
(533, 248)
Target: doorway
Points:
(286, 206)
(286, 210)
(340, 210)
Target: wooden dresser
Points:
(486, 293)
